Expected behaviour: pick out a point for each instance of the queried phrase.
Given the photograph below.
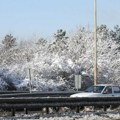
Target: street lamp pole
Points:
(95, 43)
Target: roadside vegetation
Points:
(54, 63)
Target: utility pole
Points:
(95, 43)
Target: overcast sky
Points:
(26, 18)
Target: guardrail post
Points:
(94, 108)
(77, 109)
(26, 110)
(13, 111)
(105, 108)
(47, 110)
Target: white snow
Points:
(69, 116)
(54, 64)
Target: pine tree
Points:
(60, 34)
(9, 41)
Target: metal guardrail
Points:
(12, 92)
(37, 102)
(56, 101)
(40, 94)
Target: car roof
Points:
(106, 85)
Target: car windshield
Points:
(95, 89)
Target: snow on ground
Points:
(66, 114)
(69, 116)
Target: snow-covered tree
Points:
(55, 64)
(9, 41)
(116, 34)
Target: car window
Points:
(108, 90)
(116, 89)
(95, 89)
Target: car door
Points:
(116, 91)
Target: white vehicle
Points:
(100, 90)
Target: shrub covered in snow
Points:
(55, 63)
